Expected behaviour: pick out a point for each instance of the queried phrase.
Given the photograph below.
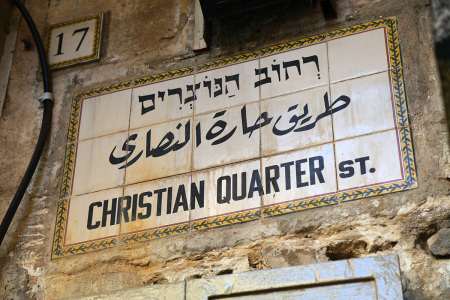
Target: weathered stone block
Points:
(439, 243)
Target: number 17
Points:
(60, 41)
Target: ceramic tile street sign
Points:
(301, 125)
(74, 42)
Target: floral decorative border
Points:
(95, 48)
(226, 220)
(403, 130)
(295, 206)
(163, 76)
(227, 61)
(294, 44)
(154, 234)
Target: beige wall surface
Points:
(142, 38)
(4, 19)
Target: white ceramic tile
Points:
(286, 131)
(161, 150)
(104, 114)
(93, 216)
(299, 174)
(370, 106)
(226, 86)
(157, 203)
(220, 138)
(162, 101)
(293, 70)
(359, 54)
(229, 189)
(67, 42)
(93, 170)
(368, 160)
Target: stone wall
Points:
(148, 37)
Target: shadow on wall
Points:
(5, 7)
(264, 25)
(440, 10)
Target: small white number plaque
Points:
(73, 42)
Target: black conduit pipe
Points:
(45, 127)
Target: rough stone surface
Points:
(148, 37)
(440, 242)
(298, 282)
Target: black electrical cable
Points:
(45, 127)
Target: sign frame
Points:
(94, 54)
(402, 127)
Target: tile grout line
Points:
(192, 148)
(126, 161)
(119, 216)
(261, 199)
(233, 106)
(332, 129)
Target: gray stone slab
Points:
(440, 242)
(382, 273)
(173, 291)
